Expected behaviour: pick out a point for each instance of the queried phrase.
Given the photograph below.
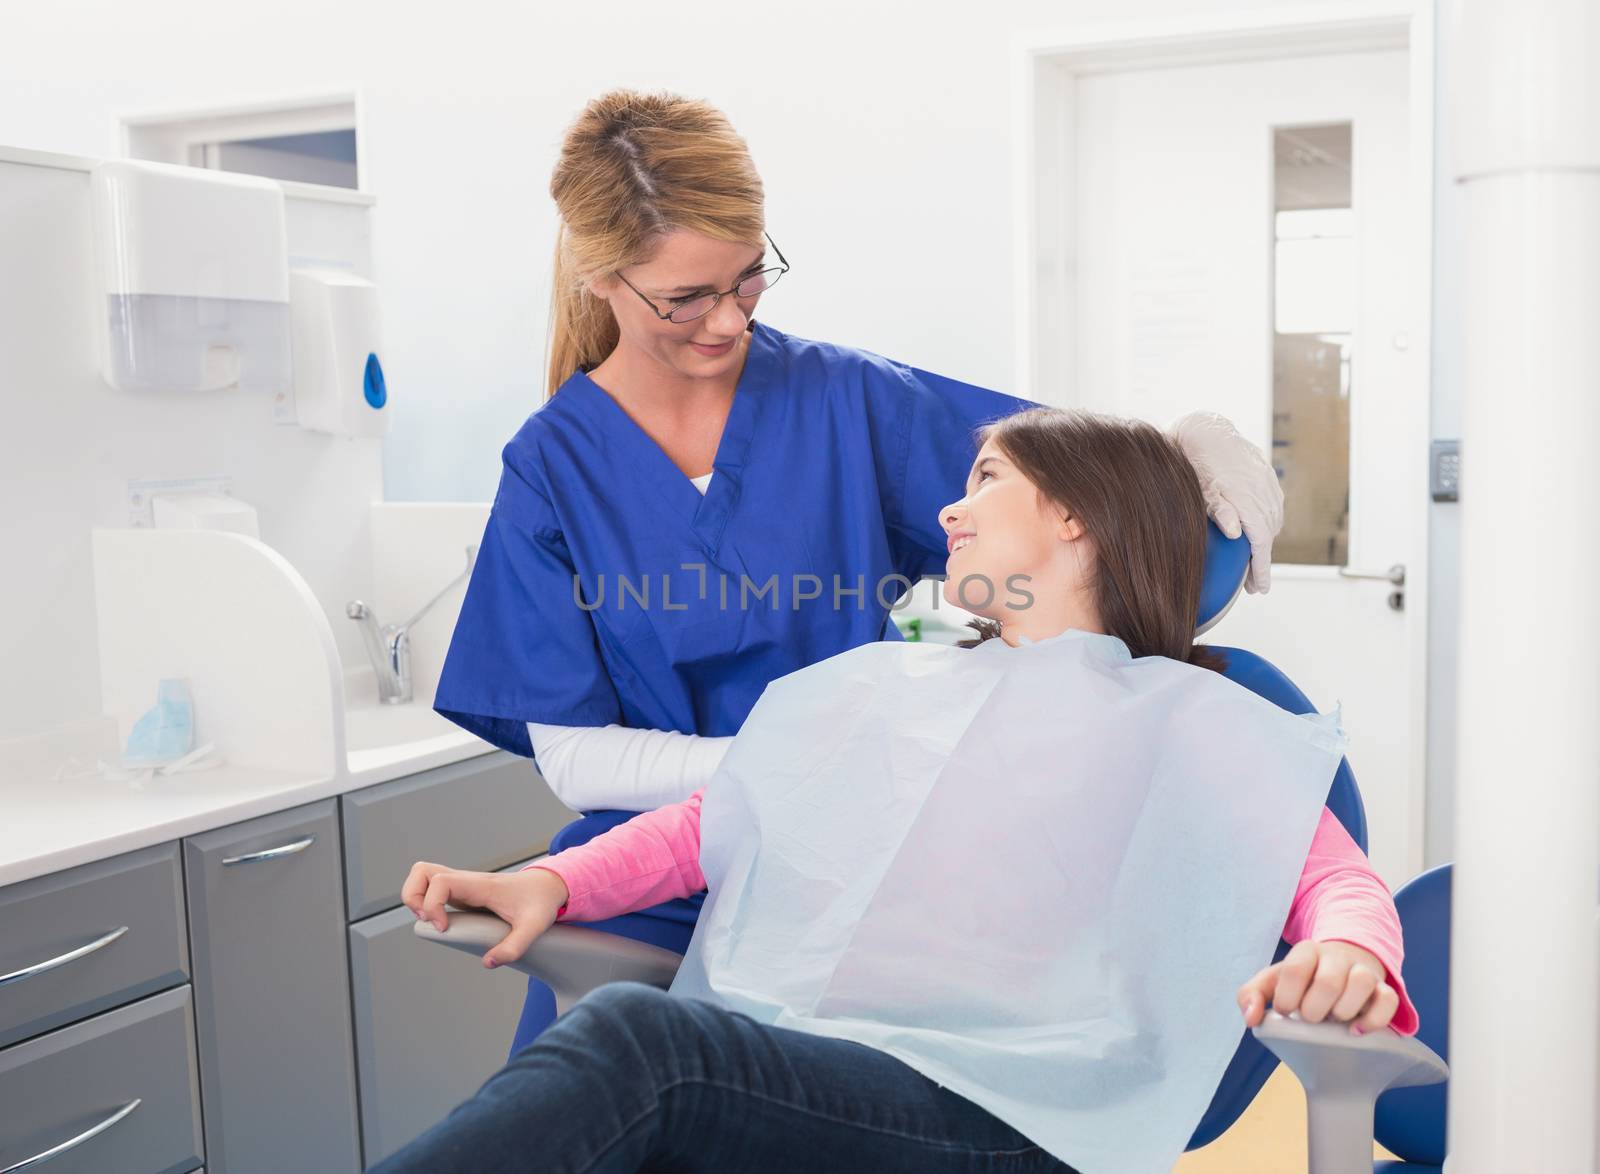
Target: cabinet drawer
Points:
(61, 1086)
(481, 814)
(78, 942)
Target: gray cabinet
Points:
(90, 938)
(117, 1092)
(259, 1055)
(480, 814)
(412, 1001)
(272, 995)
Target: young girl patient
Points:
(1081, 543)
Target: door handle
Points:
(1395, 574)
(299, 845)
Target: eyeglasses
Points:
(699, 305)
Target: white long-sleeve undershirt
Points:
(592, 768)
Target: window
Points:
(311, 141)
(1314, 304)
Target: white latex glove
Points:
(1240, 487)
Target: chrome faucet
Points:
(389, 647)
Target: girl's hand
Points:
(528, 900)
(1320, 979)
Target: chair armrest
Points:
(569, 959)
(1343, 1075)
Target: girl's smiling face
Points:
(1008, 543)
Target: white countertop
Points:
(50, 821)
(293, 724)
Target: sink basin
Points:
(388, 740)
(369, 725)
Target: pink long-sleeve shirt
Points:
(655, 857)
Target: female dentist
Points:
(705, 503)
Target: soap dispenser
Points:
(339, 385)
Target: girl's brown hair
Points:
(1138, 499)
(634, 166)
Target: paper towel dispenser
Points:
(194, 279)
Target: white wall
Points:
(1444, 524)
(882, 131)
(71, 445)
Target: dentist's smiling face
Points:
(1005, 527)
(684, 267)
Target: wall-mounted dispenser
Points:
(204, 511)
(194, 270)
(339, 385)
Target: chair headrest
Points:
(1227, 559)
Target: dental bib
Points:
(1035, 874)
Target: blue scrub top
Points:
(832, 468)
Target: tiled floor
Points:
(1270, 1138)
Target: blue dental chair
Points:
(1343, 1075)
(1410, 1122)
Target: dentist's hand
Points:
(1239, 484)
(528, 900)
(1322, 980)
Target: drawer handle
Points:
(267, 854)
(74, 1142)
(61, 960)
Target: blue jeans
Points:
(633, 1079)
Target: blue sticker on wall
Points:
(376, 391)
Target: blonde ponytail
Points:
(582, 329)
